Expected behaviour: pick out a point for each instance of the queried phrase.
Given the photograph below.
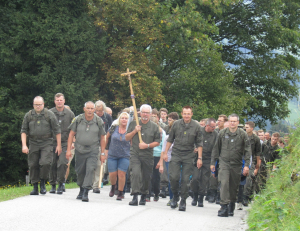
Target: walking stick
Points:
(100, 184)
(133, 100)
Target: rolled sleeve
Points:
(199, 139)
(25, 125)
(248, 151)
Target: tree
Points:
(46, 47)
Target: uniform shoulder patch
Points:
(73, 120)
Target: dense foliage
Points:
(217, 56)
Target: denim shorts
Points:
(115, 164)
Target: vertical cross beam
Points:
(133, 100)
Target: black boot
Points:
(195, 199)
(231, 208)
(200, 201)
(53, 189)
(143, 200)
(208, 195)
(63, 187)
(182, 205)
(85, 195)
(120, 196)
(105, 179)
(223, 212)
(35, 190)
(60, 188)
(162, 193)
(134, 200)
(174, 202)
(112, 190)
(213, 196)
(79, 197)
(245, 201)
(43, 187)
(218, 199)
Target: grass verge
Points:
(278, 206)
(15, 192)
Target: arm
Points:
(199, 161)
(70, 141)
(24, 145)
(168, 145)
(58, 147)
(130, 135)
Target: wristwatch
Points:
(199, 158)
(102, 154)
(148, 145)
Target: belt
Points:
(41, 137)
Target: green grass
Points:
(278, 206)
(15, 192)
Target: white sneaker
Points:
(240, 206)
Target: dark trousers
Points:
(178, 162)
(59, 166)
(155, 181)
(85, 166)
(201, 178)
(141, 171)
(230, 177)
(39, 161)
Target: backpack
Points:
(46, 115)
(80, 117)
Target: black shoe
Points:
(112, 190)
(182, 205)
(195, 199)
(231, 208)
(200, 201)
(35, 190)
(53, 189)
(63, 187)
(79, 197)
(163, 193)
(60, 189)
(174, 202)
(212, 197)
(85, 195)
(143, 200)
(218, 199)
(43, 187)
(223, 212)
(96, 190)
(105, 179)
(245, 201)
(134, 200)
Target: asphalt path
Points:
(63, 212)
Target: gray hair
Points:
(100, 103)
(39, 97)
(89, 102)
(234, 115)
(209, 121)
(146, 106)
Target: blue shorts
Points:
(115, 164)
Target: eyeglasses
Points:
(144, 112)
(232, 121)
(212, 126)
(38, 105)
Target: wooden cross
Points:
(133, 100)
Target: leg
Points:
(45, 161)
(136, 169)
(174, 173)
(156, 178)
(97, 173)
(147, 169)
(80, 167)
(187, 171)
(62, 165)
(53, 168)
(91, 165)
(224, 175)
(33, 163)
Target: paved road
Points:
(63, 212)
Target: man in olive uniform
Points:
(201, 176)
(213, 193)
(231, 145)
(60, 163)
(251, 180)
(264, 150)
(89, 131)
(267, 139)
(141, 154)
(187, 134)
(39, 125)
(100, 109)
(269, 156)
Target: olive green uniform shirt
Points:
(64, 119)
(188, 136)
(88, 133)
(209, 140)
(38, 128)
(231, 147)
(150, 133)
(271, 155)
(255, 148)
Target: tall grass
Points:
(278, 206)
